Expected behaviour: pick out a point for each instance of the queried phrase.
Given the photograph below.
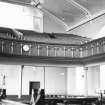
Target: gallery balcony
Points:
(71, 53)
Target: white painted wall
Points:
(11, 78)
(58, 80)
(20, 17)
(76, 81)
(12, 82)
(55, 78)
(32, 74)
(102, 77)
(93, 79)
(80, 81)
(71, 80)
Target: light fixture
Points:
(26, 47)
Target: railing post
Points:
(72, 52)
(86, 52)
(55, 51)
(30, 49)
(104, 46)
(80, 52)
(47, 49)
(64, 51)
(97, 48)
(92, 49)
(21, 48)
(38, 49)
(2, 45)
(12, 48)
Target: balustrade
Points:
(101, 50)
(30, 48)
(84, 51)
(94, 48)
(68, 51)
(42, 50)
(103, 46)
(60, 51)
(51, 50)
(1, 46)
(76, 52)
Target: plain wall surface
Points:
(71, 79)
(52, 79)
(76, 81)
(11, 78)
(35, 74)
(93, 79)
(20, 17)
(55, 80)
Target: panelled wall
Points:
(55, 80)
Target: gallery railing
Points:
(31, 48)
(95, 47)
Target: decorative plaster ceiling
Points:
(71, 14)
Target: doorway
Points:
(33, 85)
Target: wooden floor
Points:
(23, 99)
(11, 102)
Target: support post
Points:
(44, 76)
(20, 81)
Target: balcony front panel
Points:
(84, 51)
(94, 48)
(42, 50)
(89, 50)
(1, 45)
(7, 47)
(34, 49)
(76, 52)
(69, 52)
(104, 46)
(51, 50)
(60, 51)
(17, 48)
(101, 48)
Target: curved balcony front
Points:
(79, 54)
(40, 51)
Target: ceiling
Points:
(81, 17)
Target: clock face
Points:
(26, 47)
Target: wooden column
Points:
(86, 80)
(44, 68)
(20, 81)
